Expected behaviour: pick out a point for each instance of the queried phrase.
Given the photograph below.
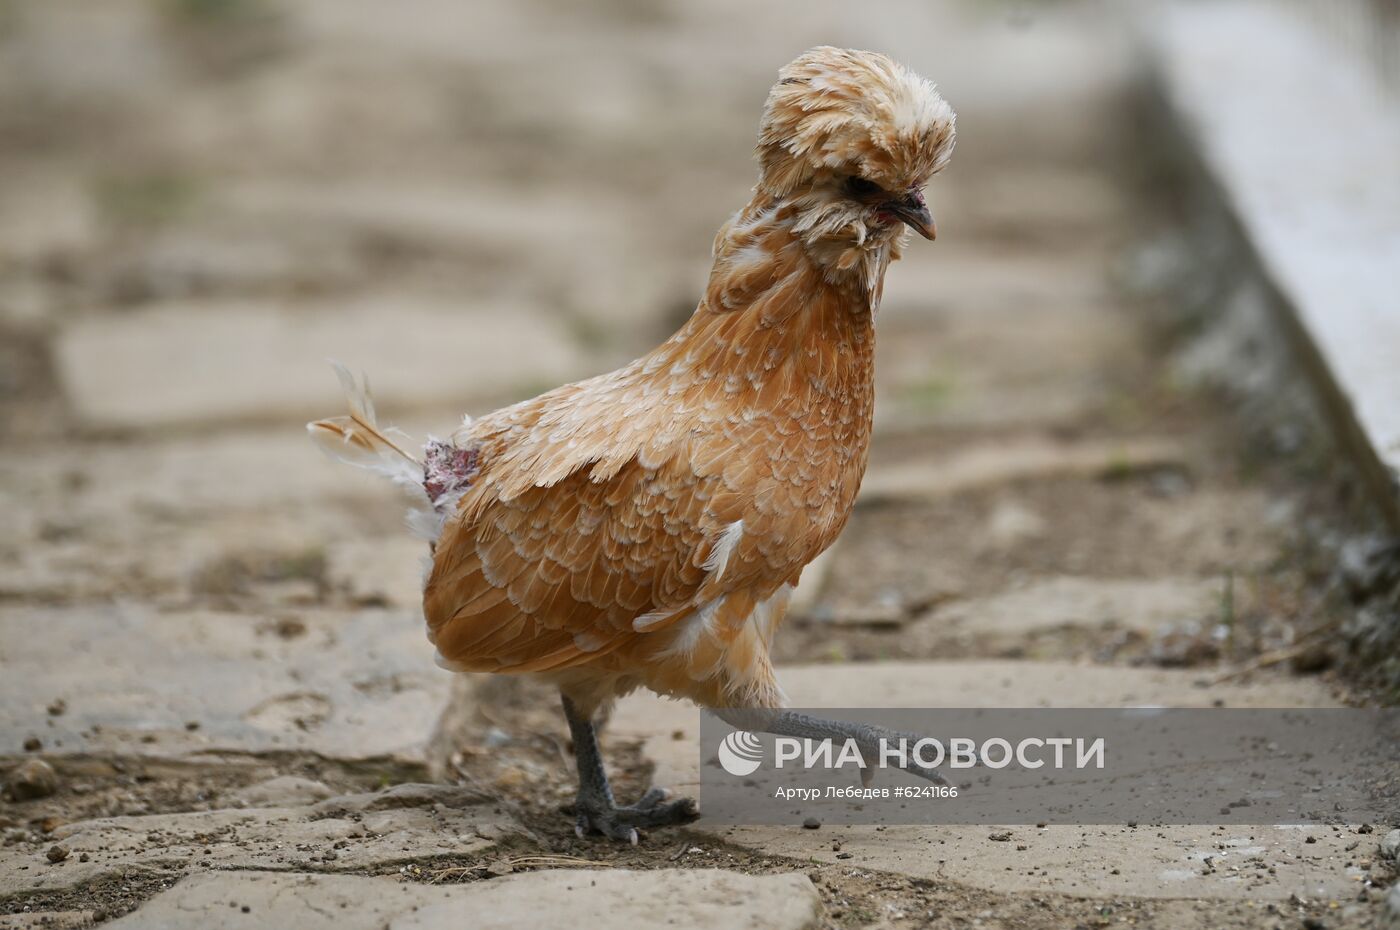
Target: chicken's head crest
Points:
(846, 112)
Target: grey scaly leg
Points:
(597, 811)
(805, 726)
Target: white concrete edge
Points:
(1303, 147)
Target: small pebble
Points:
(1390, 845)
(33, 780)
(32, 744)
(811, 823)
(57, 854)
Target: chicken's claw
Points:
(655, 809)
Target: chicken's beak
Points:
(912, 211)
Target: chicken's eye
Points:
(858, 186)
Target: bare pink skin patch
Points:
(447, 470)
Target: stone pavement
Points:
(215, 695)
(401, 824)
(1251, 863)
(347, 685)
(688, 900)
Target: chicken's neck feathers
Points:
(779, 353)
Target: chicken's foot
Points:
(595, 808)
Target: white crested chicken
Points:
(644, 528)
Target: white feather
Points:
(358, 440)
(720, 555)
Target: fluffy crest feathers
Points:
(846, 110)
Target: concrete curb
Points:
(1300, 144)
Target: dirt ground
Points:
(206, 198)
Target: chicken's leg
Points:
(595, 807)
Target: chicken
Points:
(644, 528)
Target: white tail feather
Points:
(357, 439)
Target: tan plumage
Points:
(644, 527)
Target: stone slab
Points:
(385, 571)
(682, 899)
(199, 365)
(1320, 209)
(1004, 461)
(237, 470)
(105, 518)
(281, 791)
(43, 212)
(1144, 861)
(402, 824)
(451, 217)
(1047, 604)
(349, 686)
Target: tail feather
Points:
(357, 439)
